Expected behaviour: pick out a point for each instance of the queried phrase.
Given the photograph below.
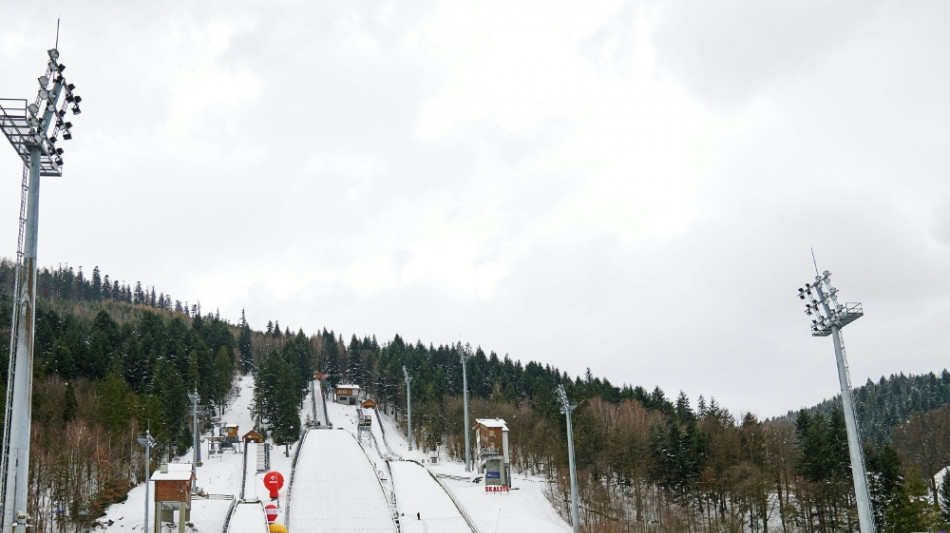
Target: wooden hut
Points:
(252, 436)
(347, 394)
(173, 483)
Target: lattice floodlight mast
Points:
(408, 405)
(148, 443)
(829, 317)
(33, 130)
(465, 353)
(567, 408)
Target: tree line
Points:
(107, 368)
(104, 372)
(651, 463)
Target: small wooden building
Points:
(491, 447)
(368, 403)
(252, 436)
(347, 394)
(173, 483)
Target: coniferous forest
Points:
(112, 360)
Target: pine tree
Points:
(945, 497)
(244, 345)
(911, 510)
(70, 404)
(96, 284)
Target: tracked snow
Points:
(335, 487)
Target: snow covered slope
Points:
(418, 492)
(335, 487)
(248, 518)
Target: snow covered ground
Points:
(336, 488)
(417, 492)
(524, 509)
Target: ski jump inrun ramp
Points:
(335, 487)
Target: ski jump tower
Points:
(33, 130)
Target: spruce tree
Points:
(945, 497)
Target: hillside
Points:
(106, 367)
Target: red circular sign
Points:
(273, 481)
(271, 511)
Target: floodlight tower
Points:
(830, 317)
(32, 130)
(464, 355)
(196, 439)
(408, 404)
(567, 408)
(148, 443)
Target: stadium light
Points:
(831, 316)
(464, 355)
(566, 409)
(27, 126)
(148, 443)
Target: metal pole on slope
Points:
(408, 404)
(567, 408)
(196, 439)
(32, 131)
(830, 317)
(147, 442)
(464, 356)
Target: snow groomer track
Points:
(335, 488)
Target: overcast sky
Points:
(632, 187)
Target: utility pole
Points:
(408, 404)
(147, 442)
(830, 317)
(193, 396)
(32, 131)
(567, 408)
(465, 354)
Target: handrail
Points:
(244, 474)
(293, 471)
(227, 518)
(392, 505)
(382, 428)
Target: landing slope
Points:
(335, 488)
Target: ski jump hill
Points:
(335, 487)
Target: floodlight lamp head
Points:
(44, 81)
(53, 54)
(54, 67)
(70, 87)
(70, 97)
(76, 110)
(33, 109)
(67, 136)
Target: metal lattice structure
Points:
(33, 130)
